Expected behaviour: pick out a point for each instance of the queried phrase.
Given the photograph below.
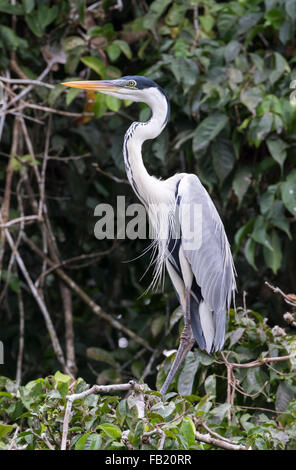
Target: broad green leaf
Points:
(241, 182)
(207, 130)
(259, 233)
(93, 442)
(81, 441)
(210, 385)
(242, 233)
(5, 429)
(28, 5)
(99, 354)
(284, 394)
(55, 93)
(232, 50)
(95, 64)
(186, 377)
(113, 103)
(46, 15)
(251, 97)
(10, 38)
(249, 252)
(60, 377)
(288, 189)
(275, 18)
(111, 430)
(290, 7)
(175, 14)
(34, 24)
(223, 158)
(71, 95)
(124, 47)
(235, 336)
(277, 148)
(216, 415)
(267, 201)
(188, 430)
(273, 259)
(71, 42)
(6, 6)
(113, 52)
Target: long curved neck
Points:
(144, 185)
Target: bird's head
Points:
(133, 88)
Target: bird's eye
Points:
(132, 83)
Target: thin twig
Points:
(52, 333)
(20, 81)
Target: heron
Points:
(189, 239)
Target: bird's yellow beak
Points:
(93, 85)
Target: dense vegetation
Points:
(70, 302)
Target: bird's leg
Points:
(186, 342)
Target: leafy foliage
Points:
(262, 415)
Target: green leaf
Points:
(95, 64)
(188, 430)
(10, 38)
(251, 98)
(111, 430)
(60, 377)
(210, 385)
(186, 377)
(81, 441)
(101, 355)
(259, 233)
(241, 182)
(113, 52)
(273, 259)
(288, 190)
(175, 15)
(223, 158)
(113, 103)
(267, 201)
(5, 429)
(71, 42)
(207, 130)
(290, 7)
(55, 93)
(274, 18)
(28, 5)
(93, 442)
(7, 7)
(249, 252)
(284, 394)
(235, 336)
(100, 106)
(219, 413)
(71, 95)
(232, 50)
(242, 233)
(124, 47)
(34, 24)
(46, 15)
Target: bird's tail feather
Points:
(202, 324)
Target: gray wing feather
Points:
(210, 257)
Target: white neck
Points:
(144, 185)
